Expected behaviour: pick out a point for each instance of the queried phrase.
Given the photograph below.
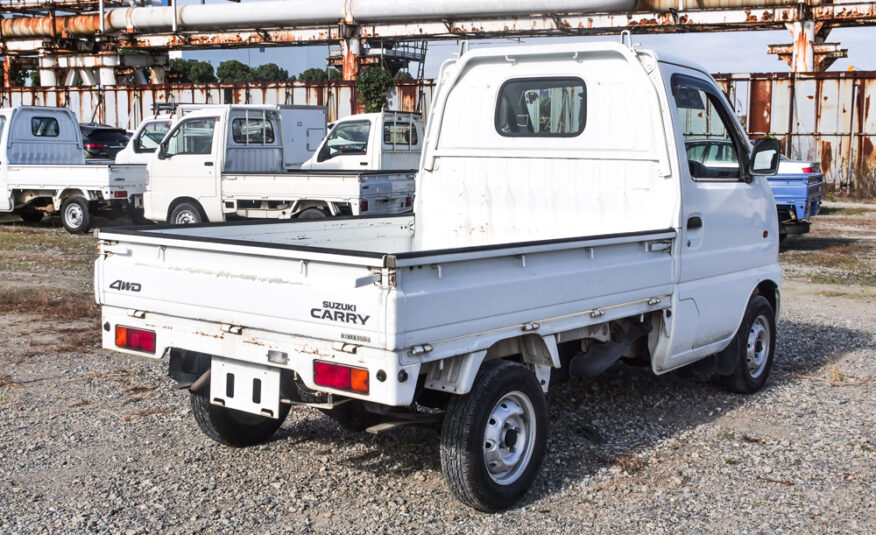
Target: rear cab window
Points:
(541, 107)
(44, 127)
(252, 131)
(400, 134)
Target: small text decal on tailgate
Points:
(125, 286)
(342, 312)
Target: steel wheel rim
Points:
(509, 437)
(186, 217)
(758, 347)
(74, 215)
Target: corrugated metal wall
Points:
(126, 106)
(828, 117)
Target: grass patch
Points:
(55, 304)
(848, 211)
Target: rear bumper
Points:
(253, 346)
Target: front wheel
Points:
(311, 213)
(234, 428)
(75, 215)
(186, 213)
(753, 347)
(493, 438)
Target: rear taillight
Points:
(363, 205)
(807, 170)
(340, 377)
(120, 194)
(91, 146)
(409, 201)
(136, 339)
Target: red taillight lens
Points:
(409, 201)
(363, 205)
(807, 169)
(96, 146)
(120, 194)
(136, 339)
(340, 377)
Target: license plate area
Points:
(246, 387)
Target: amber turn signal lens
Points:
(359, 380)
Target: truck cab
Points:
(389, 140)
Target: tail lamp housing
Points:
(135, 339)
(340, 377)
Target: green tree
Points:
(270, 72)
(372, 86)
(313, 75)
(233, 71)
(402, 75)
(191, 71)
(333, 74)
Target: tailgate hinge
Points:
(231, 329)
(659, 246)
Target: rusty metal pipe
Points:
(296, 13)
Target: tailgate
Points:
(128, 177)
(390, 193)
(315, 295)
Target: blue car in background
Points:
(798, 187)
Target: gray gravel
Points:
(95, 442)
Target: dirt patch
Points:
(49, 303)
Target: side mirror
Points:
(162, 151)
(765, 157)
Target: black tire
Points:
(29, 215)
(75, 215)
(311, 213)
(136, 216)
(352, 416)
(234, 428)
(474, 421)
(186, 213)
(754, 354)
(782, 237)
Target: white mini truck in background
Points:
(43, 170)
(218, 163)
(558, 228)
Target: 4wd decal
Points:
(342, 312)
(125, 286)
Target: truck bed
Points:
(108, 177)
(294, 278)
(316, 184)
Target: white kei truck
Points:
(42, 170)
(218, 163)
(389, 140)
(558, 229)
(303, 129)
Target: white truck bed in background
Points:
(108, 177)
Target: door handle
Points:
(363, 163)
(694, 223)
(208, 164)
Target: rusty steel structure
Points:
(125, 106)
(828, 117)
(36, 41)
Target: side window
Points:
(346, 138)
(192, 137)
(399, 133)
(712, 151)
(541, 107)
(44, 126)
(248, 131)
(2, 124)
(150, 137)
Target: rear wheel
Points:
(234, 428)
(75, 215)
(186, 213)
(753, 347)
(311, 213)
(493, 438)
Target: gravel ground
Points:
(93, 441)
